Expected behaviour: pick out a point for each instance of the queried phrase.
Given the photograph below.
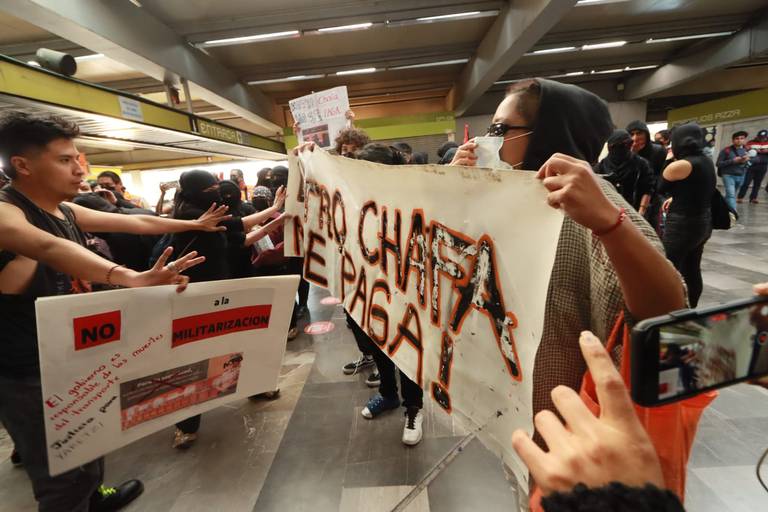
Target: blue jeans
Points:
(732, 184)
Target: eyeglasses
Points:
(499, 129)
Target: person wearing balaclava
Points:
(608, 259)
(629, 173)
(239, 255)
(690, 181)
(656, 155)
(201, 191)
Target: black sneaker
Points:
(16, 458)
(357, 365)
(109, 499)
(302, 311)
(373, 380)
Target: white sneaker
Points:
(412, 432)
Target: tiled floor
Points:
(312, 450)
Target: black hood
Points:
(641, 126)
(230, 194)
(687, 140)
(619, 147)
(193, 183)
(570, 120)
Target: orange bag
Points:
(671, 427)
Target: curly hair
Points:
(351, 136)
(21, 132)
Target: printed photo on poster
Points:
(150, 397)
(318, 134)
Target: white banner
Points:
(446, 269)
(321, 115)
(117, 366)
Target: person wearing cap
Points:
(757, 149)
(732, 164)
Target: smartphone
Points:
(687, 352)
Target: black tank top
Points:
(18, 327)
(693, 195)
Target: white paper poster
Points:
(321, 115)
(446, 269)
(117, 366)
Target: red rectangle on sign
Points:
(92, 331)
(210, 325)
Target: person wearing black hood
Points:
(629, 173)
(656, 155)
(608, 258)
(690, 181)
(239, 255)
(199, 191)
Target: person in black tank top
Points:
(43, 253)
(689, 182)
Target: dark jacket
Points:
(654, 153)
(628, 172)
(726, 163)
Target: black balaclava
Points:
(687, 140)
(570, 120)
(262, 198)
(230, 195)
(193, 183)
(619, 147)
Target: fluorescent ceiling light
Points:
(344, 28)
(250, 39)
(89, 57)
(574, 73)
(593, 2)
(553, 50)
(433, 64)
(294, 78)
(685, 38)
(502, 82)
(597, 46)
(34, 63)
(449, 16)
(637, 68)
(356, 71)
(606, 71)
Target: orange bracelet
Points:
(622, 216)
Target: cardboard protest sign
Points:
(117, 366)
(446, 269)
(321, 115)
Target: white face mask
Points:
(488, 151)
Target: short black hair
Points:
(442, 150)
(664, 134)
(740, 133)
(111, 175)
(382, 154)
(21, 132)
(403, 147)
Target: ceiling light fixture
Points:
(34, 63)
(249, 39)
(685, 38)
(89, 57)
(449, 16)
(504, 82)
(574, 73)
(593, 2)
(553, 50)
(432, 64)
(607, 71)
(597, 46)
(346, 28)
(638, 68)
(356, 71)
(294, 78)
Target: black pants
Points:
(21, 411)
(755, 177)
(411, 393)
(684, 239)
(189, 425)
(296, 266)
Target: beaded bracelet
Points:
(109, 275)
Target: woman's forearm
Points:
(257, 219)
(650, 283)
(150, 225)
(159, 207)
